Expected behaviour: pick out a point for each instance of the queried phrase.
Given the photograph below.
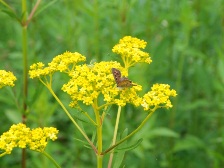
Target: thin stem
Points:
(103, 114)
(91, 120)
(124, 61)
(131, 134)
(104, 105)
(2, 154)
(96, 28)
(25, 74)
(13, 95)
(86, 114)
(70, 117)
(99, 134)
(51, 159)
(33, 11)
(115, 135)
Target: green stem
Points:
(131, 134)
(105, 105)
(25, 74)
(96, 29)
(86, 114)
(99, 135)
(91, 120)
(25, 88)
(33, 11)
(71, 118)
(115, 135)
(51, 159)
(2, 154)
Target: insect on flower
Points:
(121, 81)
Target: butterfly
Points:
(121, 81)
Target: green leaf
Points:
(131, 147)
(119, 156)
(85, 144)
(189, 142)
(45, 7)
(11, 14)
(13, 116)
(163, 132)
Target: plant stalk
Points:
(25, 73)
(115, 136)
(131, 134)
(51, 159)
(99, 135)
(71, 118)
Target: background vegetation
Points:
(186, 42)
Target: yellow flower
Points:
(87, 83)
(6, 78)
(17, 136)
(94, 83)
(129, 49)
(39, 138)
(66, 61)
(63, 63)
(37, 70)
(21, 136)
(158, 97)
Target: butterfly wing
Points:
(117, 75)
(124, 82)
(121, 81)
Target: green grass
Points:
(186, 43)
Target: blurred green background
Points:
(186, 42)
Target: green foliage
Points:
(119, 156)
(185, 40)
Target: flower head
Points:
(90, 84)
(87, 83)
(40, 136)
(63, 63)
(129, 49)
(21, 136)
(158, 97)
(6, 78)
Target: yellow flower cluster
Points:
(158, 97)
(63, 63)
(87, 83)
(6, 78)
(129, 49)
(94, 83)
(21, 136)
